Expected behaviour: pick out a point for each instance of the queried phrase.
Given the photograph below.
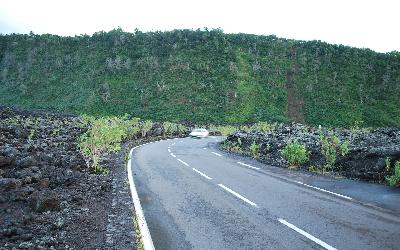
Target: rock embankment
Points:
(48, 198)
(366, 159)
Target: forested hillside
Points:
(202, 76)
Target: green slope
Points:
(203, 76)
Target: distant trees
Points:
(200, 75)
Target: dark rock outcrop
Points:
(365, 159)
(42, 172)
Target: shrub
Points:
(181, 129)
(232, 146)
(263, 127)
(295, 153)
(394, 180)
(169, 128)
(224, 130)
(387, 163)
(104, 135)
(331, 147)
(145, 127)
(255, 149)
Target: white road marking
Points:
(326, 191)
(144, 230)
(216, 154)
(173, 144)
(238, 195)
(202, 174)
(309, 236)
(204, 148)
(169, 150)
(173, 155)
(247, 165)
(184, 163)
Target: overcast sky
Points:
(359, 23)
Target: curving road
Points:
(197, 197)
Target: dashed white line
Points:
(326, 191)
(173, 155)
(309, 236)
(216, 154)
(204, 148)
(169, 150)
(184, 163)
(202, 174)
(238, 195)
(247, 165)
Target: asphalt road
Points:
(196, 197)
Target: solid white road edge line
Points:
(326, 191)
(216, 154)
(202, 174)
(144, 230)
(247, 165)
(184, 163)
(238, 195)
(173, 155)
(309, 236)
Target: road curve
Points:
(196, 197)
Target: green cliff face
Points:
(203, 76)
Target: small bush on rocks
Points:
(394, 180)
(224, 130)
(171, 128)
(105, 135)
(145, 127)
(331, 147)
(295, 153)
(255, 149)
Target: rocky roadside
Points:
(366, 156)
(48, 197)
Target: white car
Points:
(199, 133)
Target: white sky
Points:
(359, 23)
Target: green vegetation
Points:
(387, 163)
(224, 130)
(331, 147)
(201, 76)
(394, 180)
(171, 128)
(145, 127)
(295, 153)
(255, 150)
(232, 146)
(105, 135)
